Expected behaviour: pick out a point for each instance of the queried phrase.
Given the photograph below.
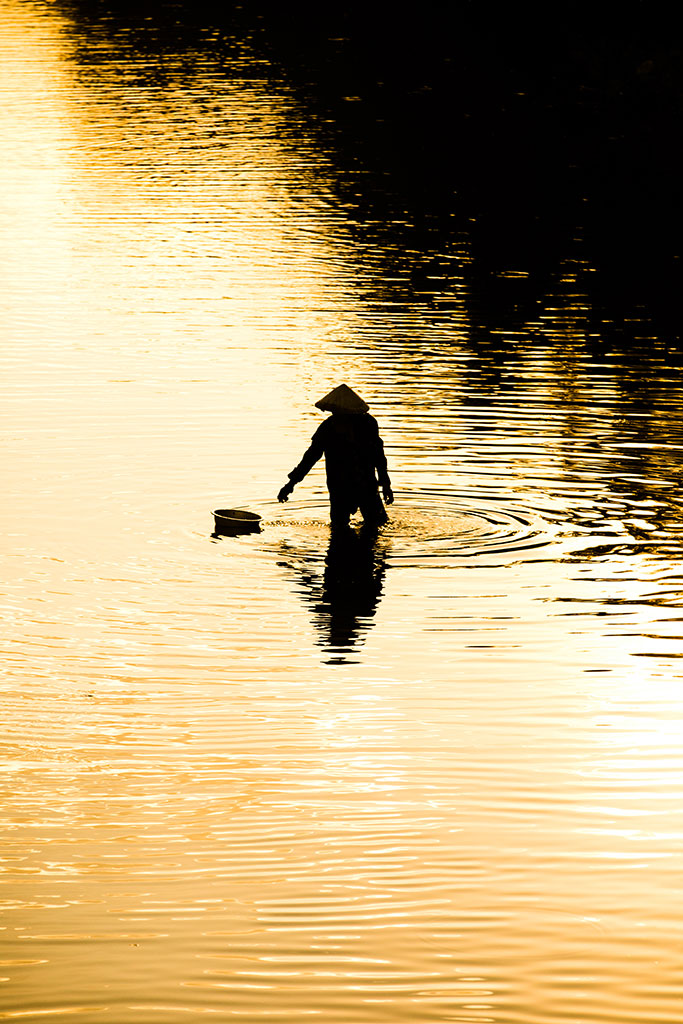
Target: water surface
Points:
(436, 779)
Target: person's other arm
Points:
(380, 461)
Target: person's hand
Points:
(285, 492)
(388, 495)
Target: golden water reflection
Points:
(434, 777)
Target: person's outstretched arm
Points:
(311, 456)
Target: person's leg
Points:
(372, 509)
(340, 513)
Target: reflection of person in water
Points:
(345, 598)
(354, 460)
(354, 571)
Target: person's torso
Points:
(349, 443)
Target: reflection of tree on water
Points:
(344, 594)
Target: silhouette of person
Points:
(354, 460)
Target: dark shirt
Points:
(353, 452)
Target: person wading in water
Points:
(354, 460)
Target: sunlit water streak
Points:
(434, 777)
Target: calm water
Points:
(442, 781)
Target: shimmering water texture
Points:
(430, 774)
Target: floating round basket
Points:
(232, 521)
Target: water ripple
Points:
(427, 527)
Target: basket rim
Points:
(236, 513)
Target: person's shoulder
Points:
(324, 428)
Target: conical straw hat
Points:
(342, 399)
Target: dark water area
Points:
(544, 139)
